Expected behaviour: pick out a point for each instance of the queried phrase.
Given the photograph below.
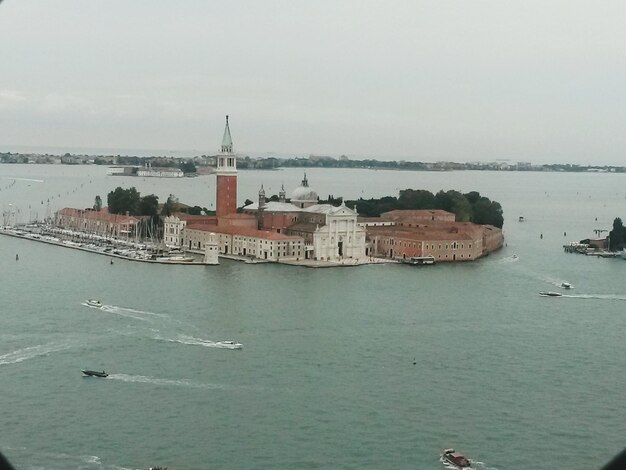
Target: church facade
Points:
(330, 233)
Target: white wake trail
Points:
(30, 352)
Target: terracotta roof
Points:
(238, 216)
(459, 231)
(243, 231)
(416, 213)
(195, 218)
(308, 227)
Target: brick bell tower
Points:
(226, 192)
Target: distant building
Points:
(247, 242)
(160, 172)
(174, 225)
(96, 222)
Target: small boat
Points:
(94, 373)
(521, 218)
(179, 259)
(456, 458)
(550, 294)
(419, 260)
(566, 285)
(94, 303)
(229, 344)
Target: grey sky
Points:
(462, 80)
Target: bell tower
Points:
(226, 192)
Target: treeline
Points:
(122, 201)
(468, 207)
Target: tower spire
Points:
(227, 141)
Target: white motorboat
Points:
(93, 303)
(228, 344)
(566, 285)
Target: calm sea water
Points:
(327, 377)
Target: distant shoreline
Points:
(276, 163)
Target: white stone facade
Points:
(173, 231)
(340, 237)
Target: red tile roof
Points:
(243, 231)
(196, 219)
(438, 231)
(416, 213)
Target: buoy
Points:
(17, 257)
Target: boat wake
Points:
(123, 312)
(476, 465)
(481, 466)
(192, 341)
(39, 459)
(555, 282)
(508, 259)
(596, 296)
(140, 312)
(164, 382)
(141, 315)
(21, 179)
(31, 352)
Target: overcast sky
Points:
(462, 80)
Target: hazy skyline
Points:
(416, 80)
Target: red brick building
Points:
(97, 222)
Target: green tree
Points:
(416, 199)
(195, 210)
(123, 200)
(170, 205)
(455, 202)
(149, 205)
(188, 167)
(617, 236)
(97, 205)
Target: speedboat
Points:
(228, 344)
(456, 458)
(94, 303)
(94, 373)
(566, 285)
(550, 294)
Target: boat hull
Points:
(94, 373)
(456, 459)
